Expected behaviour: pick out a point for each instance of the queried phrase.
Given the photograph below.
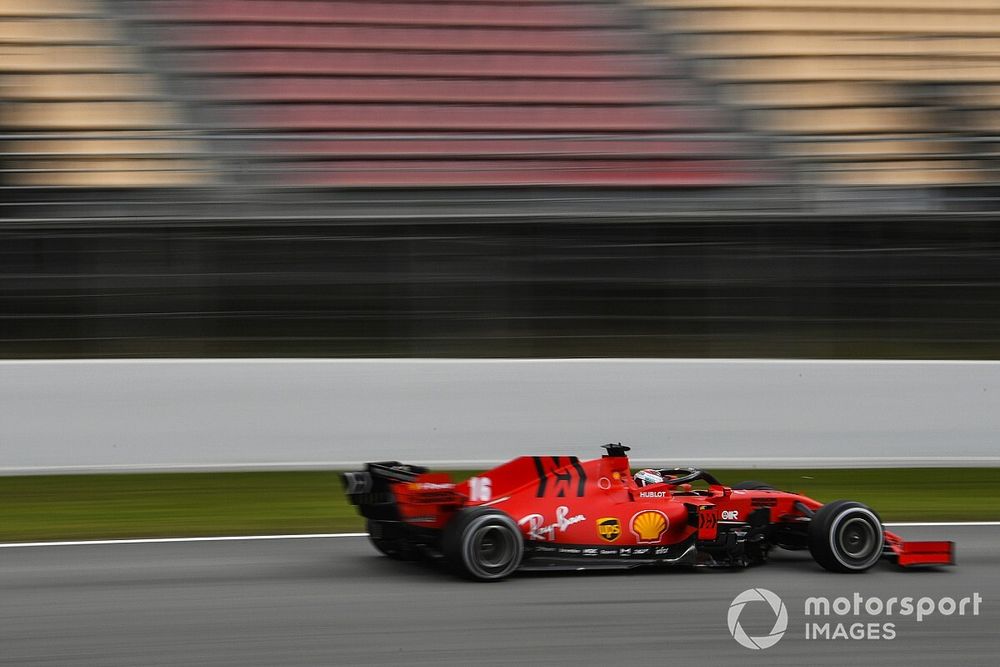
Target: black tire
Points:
(846, 536)
(753, 485)
(483, 543)
(395, 548)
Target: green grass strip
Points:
(62, 507)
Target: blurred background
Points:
(478, 178)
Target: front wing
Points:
(909, 554)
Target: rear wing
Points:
(370, 489)
(392, 491)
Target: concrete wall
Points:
(82, 415)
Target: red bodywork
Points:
(568, 508)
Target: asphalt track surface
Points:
(334, 601)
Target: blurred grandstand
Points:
(499, 177)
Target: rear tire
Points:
(483, 543)
(846, 536)
(753, 485)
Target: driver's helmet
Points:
(647, 476)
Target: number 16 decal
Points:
(480, 489)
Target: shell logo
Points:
(648, 526)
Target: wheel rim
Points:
(857, 538)
(493, 547)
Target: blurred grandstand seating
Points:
(404, 93)
(81, 109)
(620, 105)
(429, 93)
(859, 92)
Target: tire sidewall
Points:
(879, 538)
(462, 549)
(824, 536)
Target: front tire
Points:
(846, 536)
(483, 543)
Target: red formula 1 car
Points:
(558, 512)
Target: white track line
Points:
(166, 540)
(313, 536)
(944, 523)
